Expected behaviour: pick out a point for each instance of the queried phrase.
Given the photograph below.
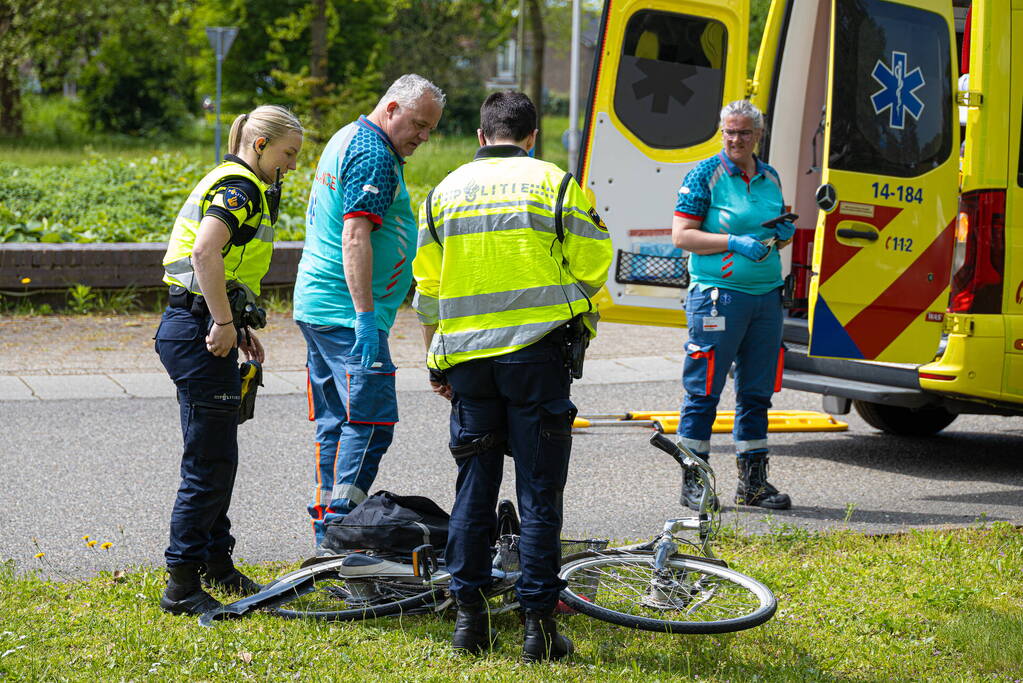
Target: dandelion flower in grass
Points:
(91, 543)
(85, 537)
(106, 545)
(26, 280)
(39, 556)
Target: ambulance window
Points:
(671, 78)
(892, 98)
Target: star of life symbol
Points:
(898, 88)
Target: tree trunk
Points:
(537, 43)
(318, 61)
(10, 105)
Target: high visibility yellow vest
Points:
(515, 250)
(247, 263)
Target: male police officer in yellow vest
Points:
(510, 254)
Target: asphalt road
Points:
(108, 469)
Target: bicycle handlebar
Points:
(682, 455)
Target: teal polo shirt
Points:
(718, 193)
(360, 173)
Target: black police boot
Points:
(226, 577)
(754, 488)
(473, 634)
(542, 639)
(184, 594)
(691, 490)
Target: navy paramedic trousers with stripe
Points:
(209, 390)
(355, 410)
(752, 339)
(522, 400)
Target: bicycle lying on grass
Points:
(650, 586)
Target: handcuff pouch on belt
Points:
(577, 338)
(243, 306)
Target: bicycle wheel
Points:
(326, 594)
(688, 596)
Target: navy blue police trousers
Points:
(209, 390)
(517, 404)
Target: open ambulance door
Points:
(790, 88)
(888, 199)
(662, 72)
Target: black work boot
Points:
(184, 594)
(692, 490)
(473, 634)
(542, 639)
(226, 577)
(754, 488)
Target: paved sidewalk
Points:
(158, 385)
(47, 358)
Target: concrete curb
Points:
(158, 385)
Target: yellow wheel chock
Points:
(666, 421)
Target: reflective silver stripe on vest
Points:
(516, 205)
(190, 211)
(352, 493)
(193, 212)
(583, 227)
(587, 289)
(498, 338)
(427, 308)
(511, 300)
(477, 225)
(182, 271)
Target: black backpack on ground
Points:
(386, 522)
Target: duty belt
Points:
(180, 297)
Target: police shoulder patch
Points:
(597, 220)
(234, 198)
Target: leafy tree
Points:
(139, 80)
(449, 42)
(52, 36)
(318, 57)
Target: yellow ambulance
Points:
(904, 283)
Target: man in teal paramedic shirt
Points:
(733, 308)
(354, 273)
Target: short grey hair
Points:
(407, 90)
(743, 108)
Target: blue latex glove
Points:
(367, 341)
(784, 231)
(748, 246)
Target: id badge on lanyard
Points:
(714, 322)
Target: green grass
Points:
(928, 605)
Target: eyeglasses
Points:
(745, 133)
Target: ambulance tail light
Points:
(978, 262)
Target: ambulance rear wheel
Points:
(904, 421)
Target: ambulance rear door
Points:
(662, 72)
(884, 235)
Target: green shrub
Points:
(138, 82)
(113, 200)
(56, 120)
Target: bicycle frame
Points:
(706, 520)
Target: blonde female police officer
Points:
(222, 239)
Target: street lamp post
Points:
(220, 38)
(573, 93)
